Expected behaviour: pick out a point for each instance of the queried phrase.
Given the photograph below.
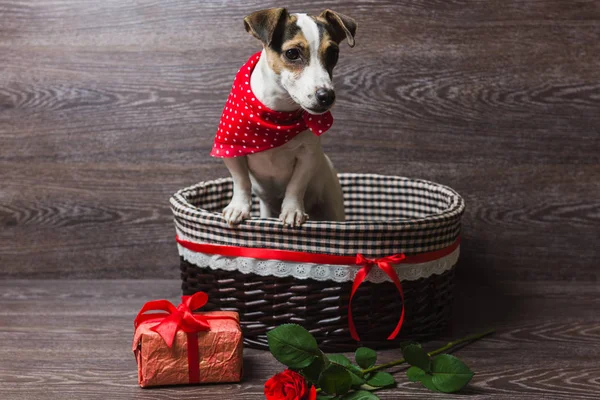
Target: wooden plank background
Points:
(108, 107)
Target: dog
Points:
(268, 135)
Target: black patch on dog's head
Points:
(273, 27)
(265, 25)
(287, 30)
(328, 48)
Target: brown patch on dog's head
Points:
(292, 40)
(278, 32)
(339, 26)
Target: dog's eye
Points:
(292, 54)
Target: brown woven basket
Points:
(322, 307)
(385, 216)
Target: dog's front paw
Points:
(293, 215)
(237, 211)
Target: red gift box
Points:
(177, 346)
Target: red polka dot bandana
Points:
(247, 126)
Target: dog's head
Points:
(303, 50)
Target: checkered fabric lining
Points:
(384, 215)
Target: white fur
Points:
(314, 76)
(265, 85)
(297, 177)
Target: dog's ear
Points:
(343, 26)
(263, 24)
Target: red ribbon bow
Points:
(180, 318)
(177, 318)
(385, 265)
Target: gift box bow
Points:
(162, 317)
(173, 319)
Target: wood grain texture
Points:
(71, 339)
(107, 108)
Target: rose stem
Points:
(448, 346)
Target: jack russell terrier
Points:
(279, 105)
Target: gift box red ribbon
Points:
(173, 319)
(385, 264)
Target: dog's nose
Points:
(325, 97)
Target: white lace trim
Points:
(319, 272)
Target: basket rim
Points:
(455, 209)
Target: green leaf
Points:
(360, 395)
(339, 359)
(415, 374)
(365, 357)
(356, 380)
(381, 379)
(417, 357)
(367, 387)
(313, 371)
(293, 346)
(355, 372)
(335, 379)
(402, 345)
(427, 381)
(450, 374)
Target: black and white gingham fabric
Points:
(384, 215)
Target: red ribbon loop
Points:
(385, 264)
(176, 318)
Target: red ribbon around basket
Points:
(385, 264)
(180, 318)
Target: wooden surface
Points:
(108, 107)
(71, 339)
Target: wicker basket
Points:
(385, 215)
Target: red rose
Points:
(289, 385)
